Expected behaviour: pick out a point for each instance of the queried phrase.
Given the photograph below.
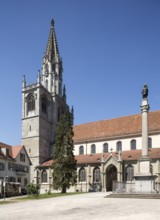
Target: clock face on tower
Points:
(46, 70)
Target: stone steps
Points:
(136, 195)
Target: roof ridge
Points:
(110, 119)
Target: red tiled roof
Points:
(13, 151)
(154, 153)
(47, 163)
(117, 127)
(16, 150)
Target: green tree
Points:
(64, 166)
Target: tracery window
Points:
(119, 146)
(82, 175)
(30, 102)
(93, 149)
(81, 150)
(129, 173)
(96, 175)
(105, 148)
(44, 176)
(133, 145)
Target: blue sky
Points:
(110, 49)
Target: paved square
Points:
(82, 206)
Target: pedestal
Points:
(144, 183)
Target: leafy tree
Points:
(64, 166)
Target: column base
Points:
(144, 183)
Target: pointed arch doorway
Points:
(111, 175)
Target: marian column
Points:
(144, 180)
(144, 111)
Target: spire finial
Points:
(52, 22)
(24, 81)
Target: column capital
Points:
(145, 108)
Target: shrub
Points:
(33, 189)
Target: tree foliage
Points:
(64, 166)
(33, 189)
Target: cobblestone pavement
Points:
(88, 206)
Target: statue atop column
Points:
(145, 92)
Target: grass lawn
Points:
(5, 202)
(46, 196)
(41, 196)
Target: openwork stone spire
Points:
(52, 51)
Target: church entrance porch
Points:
(111, 176)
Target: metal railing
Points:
(123, 187)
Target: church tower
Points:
(42, 104)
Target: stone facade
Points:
(42, 104)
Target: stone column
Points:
(144, 111)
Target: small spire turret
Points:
(24, 81)
(39, 77)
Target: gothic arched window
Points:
(81, 150)
(30, 102)
(105, 148)
(119, 146)
(133, 144)
(82, 175)
(129, 173)
(93, 149)
(96, 175)
(149, 142)
(44, 176)
(44, 105)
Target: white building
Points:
(14, 167)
